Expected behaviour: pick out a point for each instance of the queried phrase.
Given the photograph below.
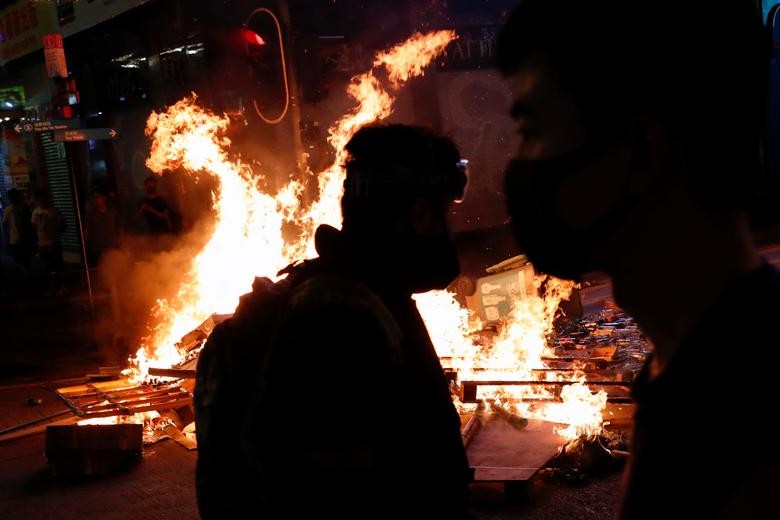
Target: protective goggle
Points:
(369, 182)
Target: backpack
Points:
(230, 384)
(226, 379)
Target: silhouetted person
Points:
(48, 224)
(355, 419)
(639, 127)
(101, 230)
(16, 217)
(155, 209)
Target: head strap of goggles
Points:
(367, 182)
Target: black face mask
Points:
(425, 263)
(409, 263)
(553, 247)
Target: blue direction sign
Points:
(31, 127)
(85, 134)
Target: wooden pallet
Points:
(468, 389)
(111, 398)
(500, 452)
(191, 343)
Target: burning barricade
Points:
(522, 390)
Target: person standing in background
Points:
(16, 217)
(101, 230)
(155, 209)
(48, 224)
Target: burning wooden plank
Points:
(514, 420)
(502, 453)
(472, 426)
(106, 373)
(177, 373)
(468, 389)
(117, 398)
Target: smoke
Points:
(144, 270)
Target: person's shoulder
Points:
(338, 303)
(337, 292)
(327, 289)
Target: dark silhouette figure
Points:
(639, 127)
(155, 209)
(353, 415)
(101, 229)
(17, 219)
(49, 225)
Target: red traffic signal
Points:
(251, 37)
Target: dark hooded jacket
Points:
(352, 415)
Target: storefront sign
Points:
(475, 48)
(21, 27)
(47, 125)
(17, 155)
(85, 134)
(54, 53)
(21, 182)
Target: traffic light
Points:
(264, 43)
(251, 38)
(65, 99)
(262, 53)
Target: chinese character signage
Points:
(54, 53)
(21, 27)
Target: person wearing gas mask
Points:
(354, 417)
(639, 133)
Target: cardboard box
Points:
(511, 281)
(74, 450)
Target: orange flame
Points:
(247, 237)
(247, 234)
(374, 103)
(513, 356)
(410, 58)
(450, 327)
(138, 418)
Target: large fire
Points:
(247, 241)
(514, 355)
(247, 234)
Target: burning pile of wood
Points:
(502, 445)
(606, 350)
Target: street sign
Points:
(54, 54)
(21, 182)
(85, 134)
(31, 127)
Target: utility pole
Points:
(295, 107)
